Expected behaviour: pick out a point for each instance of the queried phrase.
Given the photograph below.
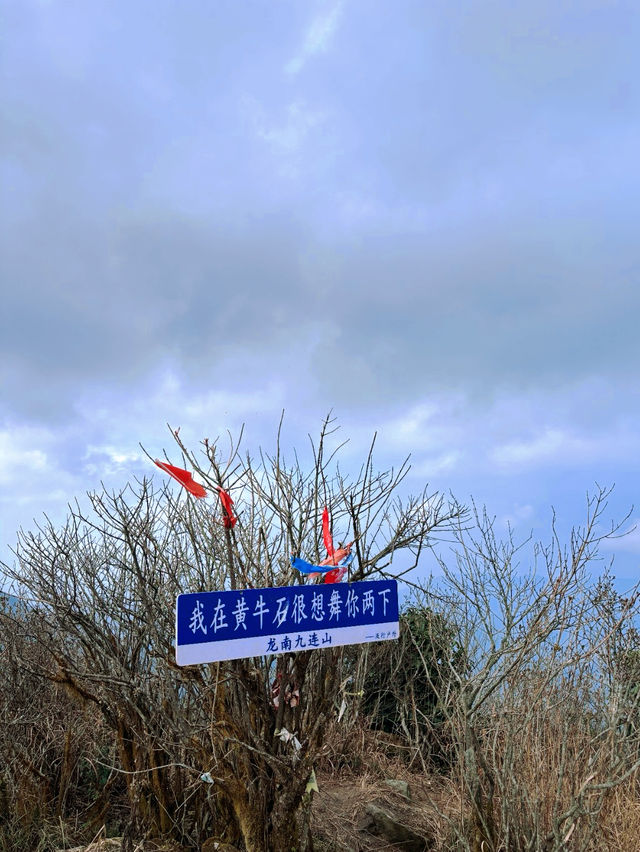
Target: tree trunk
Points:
(281, 823)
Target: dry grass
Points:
(548, 763)
(339, 811)
(339, 808)
(619, 822)
(354, 769)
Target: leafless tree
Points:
(198, 745)
(538, 720)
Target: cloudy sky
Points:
(422, 216)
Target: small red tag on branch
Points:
(326, 533)
(228, 520)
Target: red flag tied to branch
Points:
(326, 534)
(187, 481)
(184, 478)
(339, 559)
(229, 520)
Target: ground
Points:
(340, 816)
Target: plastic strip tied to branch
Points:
(336, 563)
(309, 568)
(185, 478)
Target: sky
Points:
(420, 216)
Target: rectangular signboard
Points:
(214, 626)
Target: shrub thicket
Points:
(105, 585)
(518, 691)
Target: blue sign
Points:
(214, 626)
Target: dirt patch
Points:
(340, 821)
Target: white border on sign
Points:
(257, 646)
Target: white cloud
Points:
(214, 408)
(509, 434)
(413, 424)
(106, 459)
(289, 136)
(543, 446)
(628, 541)
(21, 452)
(317, 38)
(43, 500)
(434, 465)
(549, 445)
(429, 425)
(115, 455)
(517, 516)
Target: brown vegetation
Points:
(509, 704)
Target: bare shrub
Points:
(541, 725)
(49, 741)
(105, 586)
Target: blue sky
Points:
(421, 216)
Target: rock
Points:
(399, 786)
(385, 825)
(213, 845)
(104, 844)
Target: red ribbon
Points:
(228, 520)
(184, 478)
(326, 534)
